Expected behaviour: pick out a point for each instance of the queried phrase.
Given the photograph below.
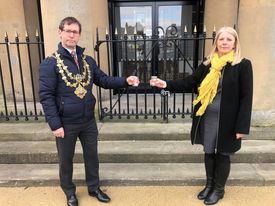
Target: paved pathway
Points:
(137, 196)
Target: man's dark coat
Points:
(60, 104)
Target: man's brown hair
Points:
(69, 20)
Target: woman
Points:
(222, 109)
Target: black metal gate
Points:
(172, 55)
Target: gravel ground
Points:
(137, 196)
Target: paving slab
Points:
(137, 196)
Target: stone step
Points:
(192, 174)
(27, 152)
(174, 130)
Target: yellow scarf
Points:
(209, 85)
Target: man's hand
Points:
(59, 132)
(133, 80)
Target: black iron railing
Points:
(19, 61)
(170, 56)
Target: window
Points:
(142, 18)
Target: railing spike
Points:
(135, 30)
(16, 34)
(214, 32)
(204, 28)
(6, 34)
(36, 33)
(195, 29)
(125, 31)
(26, 34)
(185, 29)
(116, 32)
(107, 32)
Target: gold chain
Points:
(78, 79)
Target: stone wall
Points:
(256, 27)
(13, 22)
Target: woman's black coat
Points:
(236, 103)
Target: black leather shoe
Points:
(72, 201)
(101, 196)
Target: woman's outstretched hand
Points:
(156, 82)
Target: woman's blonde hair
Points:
(237, 48)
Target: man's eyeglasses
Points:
(71, 32)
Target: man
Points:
(66, 81)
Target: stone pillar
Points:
(219, 13)
(86, 11)
(12, 21)
(90, 13)
(100, 21)
(258, 44)
(54, 11)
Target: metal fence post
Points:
(164, 102)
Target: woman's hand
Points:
(239, 136)
(158, 83)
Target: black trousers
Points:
(87, 134)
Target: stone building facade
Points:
(254, 20)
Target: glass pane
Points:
(178, 16)
(171, 55)
(131, 56)
(170, 15)
(139, 16)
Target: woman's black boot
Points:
(221, 174)
(209, 162)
